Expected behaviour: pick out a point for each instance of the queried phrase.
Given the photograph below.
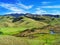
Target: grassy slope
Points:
(14, 28)
(41, 39)
(18, 27)
(56, 21)
(46, 39)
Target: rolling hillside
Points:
(11, 25)
(29, 29)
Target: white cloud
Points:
(55, 12)
(12, 12)
(25, 7)
(39, 11)
(13, 8)
(54, 6)
(45, 2)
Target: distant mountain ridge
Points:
(33, 15)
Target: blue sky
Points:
(30, 6)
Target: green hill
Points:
(11, 25)
(29, 30)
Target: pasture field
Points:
(42, 39)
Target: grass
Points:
(16, 27)
(43, 39)
(30, 23)
(55, 22)
(11, 30)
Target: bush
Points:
(1, 32)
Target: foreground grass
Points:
(43, 39)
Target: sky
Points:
(30, 6)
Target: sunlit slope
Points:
(9, 26)
(6, 21)
(46, 39)
(30, 23)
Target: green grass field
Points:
(9, 28)
(45, 39)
